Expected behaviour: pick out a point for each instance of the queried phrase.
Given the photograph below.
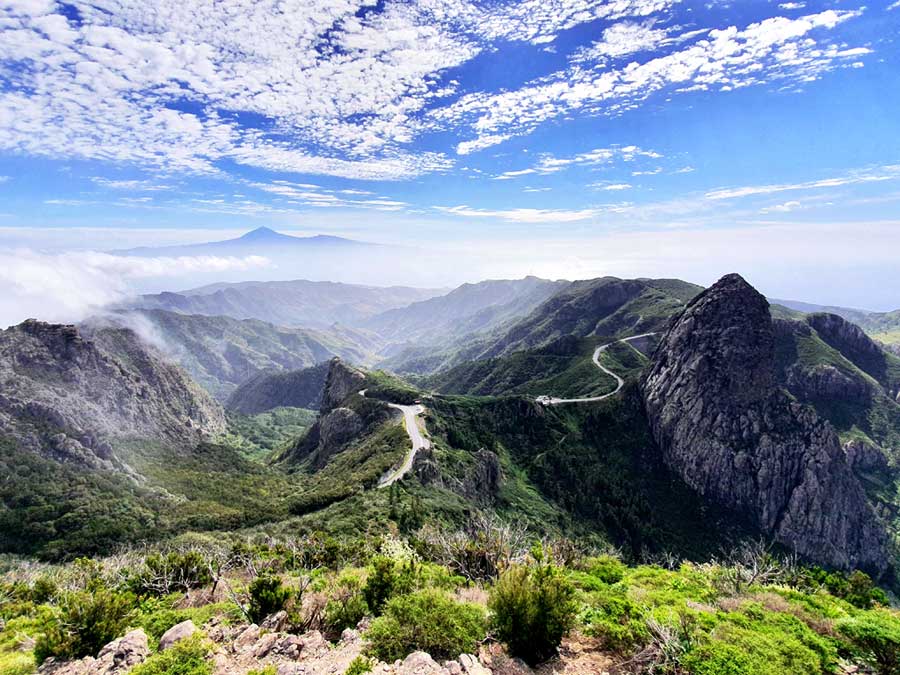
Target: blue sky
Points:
(560, 137)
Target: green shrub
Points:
(84, 623)
(43, 590)
(427, 620)
(605, 568)
(875, 636)
(346, 606)
(387, 579)
(616, 620)
(267, 596)
(185, 657)
(359, 666)
(533, 607)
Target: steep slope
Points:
(882, 326)
(311, 304)
(292, 389)
(470, 308)
(724, 426)
(68, 395)
(221, 352)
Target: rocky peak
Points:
(68, 393)
(342, 381)
(729, 432)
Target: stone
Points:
(176, 633)
(731, 433)
(116, 658)
(275, 622)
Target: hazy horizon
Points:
(575, 139)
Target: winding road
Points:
(416, 437)
(550, 400)
(418, 441)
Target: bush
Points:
(359, 666)
(267, 596)
(875, 636)
(534, 607)
(185, 657)
(346, 607)
(616, 620)
(85, 622)
(605, 568)
(430, 621)
(385, 581)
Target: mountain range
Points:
(729, 418)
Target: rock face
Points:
(295, 389)
(67, 394)
(726, 428)
(850, 340)
(341, 381)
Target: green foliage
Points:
(268, 670)
(384, 582)
(387, 387)
(616, 619)
(605, 568)
(359, 666)
(857, 588)
(84, 623)
(263, 435)
(427, 620)
(346, 606)
(875, 636)
(185, 657)
(533, 609)
(267, 596)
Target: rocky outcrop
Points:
(824, 382)
(865, 456)
(116, 658)
(178, 632)
(726, 428)
(69, 394)
(294, 389)
(852, 342)
(342, 381)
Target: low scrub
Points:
(427, 620)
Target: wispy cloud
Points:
(522, 215)
(548, 164)
(888, 172)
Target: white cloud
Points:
(792, 5)
(889, 172)
(622, 39)
(614, 186)
(787, 207)
(522, 215)
(776, 49)
(894, 5)
(70, 286)
(548, 164)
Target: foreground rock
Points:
(176, 633)
(116, 658)
(728, 431)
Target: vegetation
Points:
(267, 596)
(427, 620)
(185, 657)
(747, 613)
(533, 609)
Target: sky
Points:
(565, 138)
